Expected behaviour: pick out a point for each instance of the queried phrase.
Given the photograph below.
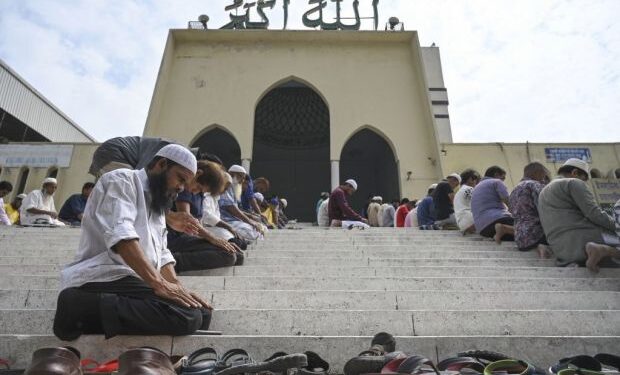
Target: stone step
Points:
(365, 300)
(368, 322)
(541, 351)
(64, 256)
(498, 270)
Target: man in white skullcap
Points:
(454, 179)
(373, 211)
(123, 279)
(339, 210)
(577, 229)
(248, 229)
(38, 207)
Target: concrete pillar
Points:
(245, 163)
(335, 173)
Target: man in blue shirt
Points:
(73, 209)
(426, 215)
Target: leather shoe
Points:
(145, 361)
(55, 361)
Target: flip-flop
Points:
(512, 366)
(200, 362)
(277, 365)
(233, 358)
(579, 361)
(609, 360)
(461, 363)
(416, 364)
(485, 357)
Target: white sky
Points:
(536, 70)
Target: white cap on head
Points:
(455, 175)
(50, 180)
(377, 198)
(180, 155)
(284, 202)
(433, 186)
(578, 163)
(21, 196)
(352, 183)
(237, 169)
(259, 197)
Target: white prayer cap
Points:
(578, 163)
(259, 197)
(284, 202)
(456, 175)
(237, 169)
(433, 186)
(180, 155)
(352, 183)
(50, 180)
(21, 196)
(377, 198)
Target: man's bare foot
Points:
(544, 251)
(596, 253)
(499, 233)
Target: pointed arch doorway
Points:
(291, 146)
(218, 141)
(369, 159)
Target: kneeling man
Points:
(123, 280)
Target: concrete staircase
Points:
(329, 291)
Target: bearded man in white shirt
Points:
(123, 279)
(38, 207)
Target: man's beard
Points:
(161, 200)
(238, 189)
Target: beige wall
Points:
(70, 180)
(514, 156)
(367, 79)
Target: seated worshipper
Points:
(324, 196)
(38, 207)
(411, 220)
(443, 206)
(373, 211)
(73, 209)
(248, 230)
(489, 205)
(267, 210)
(575, 226)
(389, 212)
(523, 200)
(203, 250)
(323, 216)
(339, 209)
(454, 179)
(403, 210)
(282, 204)
(426, 215)
(5, 188)
(380, 213)
(123, 280)
(211, 217)
(462, 202)
(12, 209)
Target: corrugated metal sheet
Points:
(25, 103)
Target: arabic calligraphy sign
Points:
(241, 14)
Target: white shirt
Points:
(380, 214)
(210, 210)
(387, 215)
(323, 215)
(4, 218)
(36, 199)
(117, 209)
(462, 207)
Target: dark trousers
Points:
(123, 307)
(193, 253)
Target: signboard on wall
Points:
(35, 156)
(607, 193)
(562, 154)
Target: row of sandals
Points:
(380, 358)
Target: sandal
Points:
(233, 358)
(278, 364)
(512, 366)
(577, 362)
(201, 362)
(468, 364)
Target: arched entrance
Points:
(291, 146)
(221, 143)
(369, 159)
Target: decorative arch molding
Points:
(292, 78)
(210, 128)
(377, 132)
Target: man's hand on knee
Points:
(177, 293)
